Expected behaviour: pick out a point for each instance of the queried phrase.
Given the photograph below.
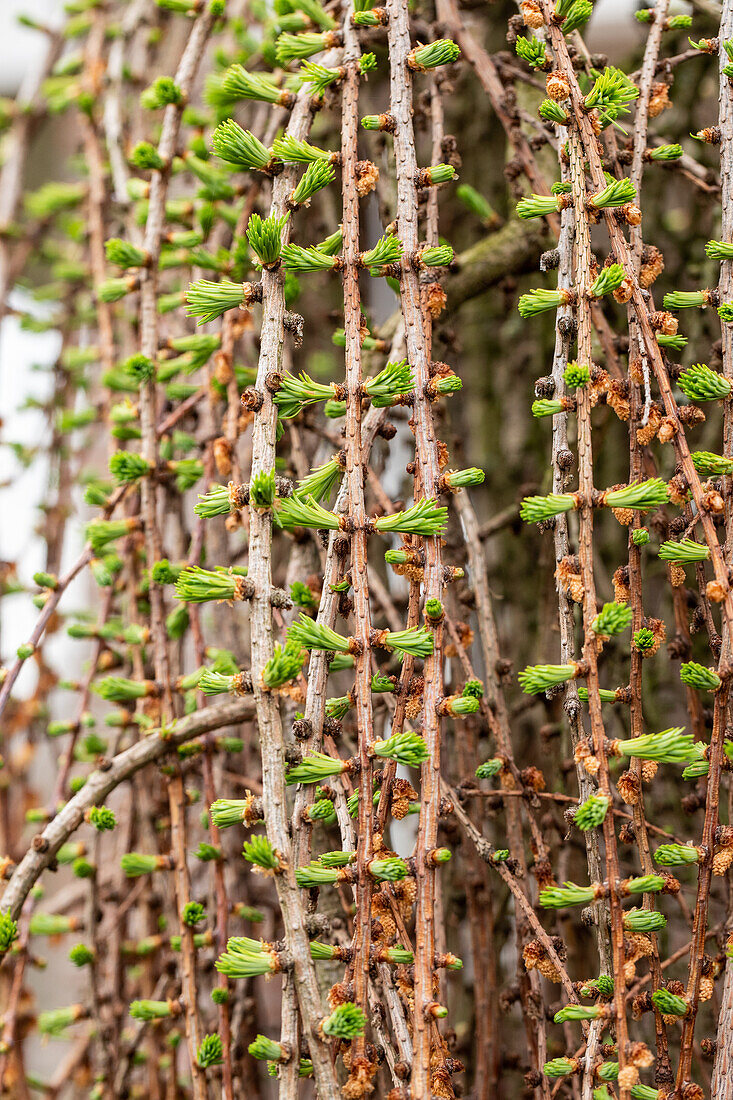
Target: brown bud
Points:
(640, 1055)
(624, 293)
(652, 266)
(617, 396)
(436, 299)
(558, 86)
(715, 592)
(649, 769)
(636, 371)
(713, 502)
(691, 1091)
(710, 135)
(533, 778)
(658, 100)
(631, 213)
(367, 175)
(667, 430)
(531, 14)
(664, 322)
(628, 1077)
(627, 785)
(621, 589)
(567, 576)
(645, 434)
(691, 415)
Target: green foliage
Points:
(532, 50)
(551, 111)
(405, 748)
(615, 193)
(237, 84)
(193, 913)
(671, 746)
(578, 1012)
(417, 643)
(609, 279)
(699, 677)
(425, 518)
(145, 157)
(102, 818)
(542, 300)
(297, 511)
(700, 383)
(246, 958)
(686, 299)
(560, 897)
(613, 619)
(135, 864)
(239, 147)
(545, 407)
(8, 932)
(266, 1049)
(124, 254)
(643, 640)
(592, 813)
(259, 851)
(197, 585)
(611, 92)
(669, 1004)
(284, 665)
(639, 495)
(683, 552)
(294, 47)
(578, 15)
(440, 256)
(645, 884)
(116, 689)
(312, 635)
(315, 875)
(81, 955)
(265, 237)
(207, 300)
(161, 93)
(537, 206)
(127, 467)
(441, 52)
(56, 1020)
(151, 1010)
(537, 679)
(672, 855)
(644, 920)
(210, 1052)
(489, 768)
(708, 464)
(392, 382)
(262, 489)
(387, 250)
(346, 1022)
(306, 261)
(388, 870)
(560, 1067)
(719, 250)
(293, 150)
(316, 767)
(317, 175)
(318, 77)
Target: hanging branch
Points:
(427, 478)
(721, 1083)
(260, 550)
